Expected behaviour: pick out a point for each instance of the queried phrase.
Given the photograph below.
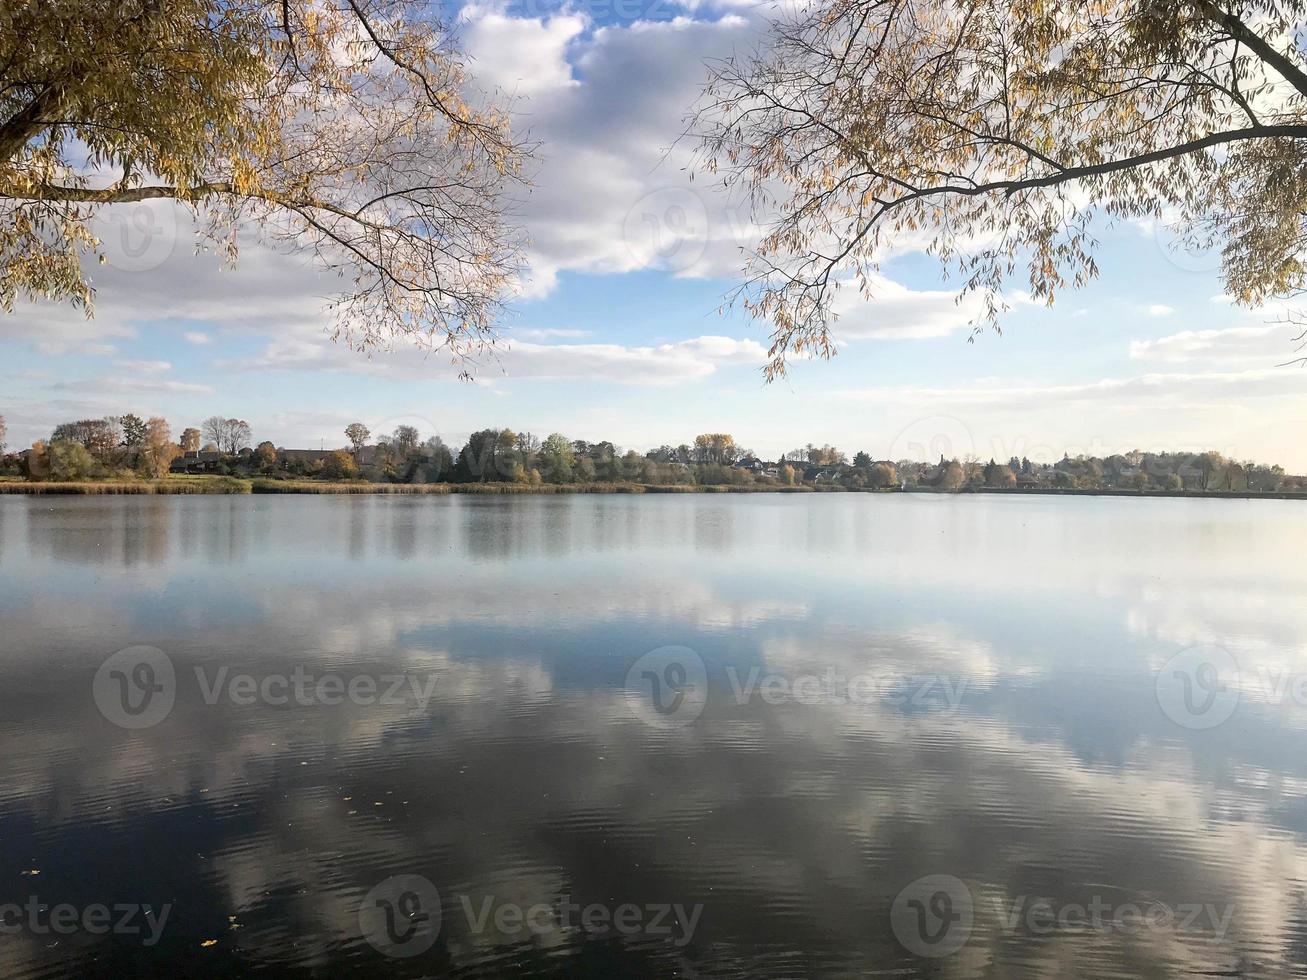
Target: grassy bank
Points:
(1122, 492)
(173, 485)
(441, 489)
(231, 484)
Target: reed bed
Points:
(438, 489)
(210, 484)
(231, 484)
(346, 487)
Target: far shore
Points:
(236, 485)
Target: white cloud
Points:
(1159, 309)
(896, 312)
(55, 329)
(548, 333)
(663, 364)
(1267, 345)
(612, 192)
(115, 384)
(1203, 390)
(266, 291)
(517, 54)
(197, 338)
(739, 5)
(143, 367)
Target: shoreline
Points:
(225, 485)
(1117, 492)
(228, 485)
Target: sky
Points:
(619, 331)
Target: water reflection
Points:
(791, 816)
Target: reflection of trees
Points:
(103, 531)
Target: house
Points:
(196, 462)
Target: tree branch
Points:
(1240, 31)
(1010, 187)
(118, 194)
(19, 129)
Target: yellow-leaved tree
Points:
(342, 129)
(991, 132)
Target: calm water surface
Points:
(689, 736)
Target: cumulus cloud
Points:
(896, 312)
(520, 55)
(613, 194)
(1159, 309)
(612, 190)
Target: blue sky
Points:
(617, 334)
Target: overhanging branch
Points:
(1010, 187)
(1241, 32)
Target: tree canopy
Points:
(344, 130)
(991, 132)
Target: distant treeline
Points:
(126, 446)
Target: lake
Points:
(698, 735)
